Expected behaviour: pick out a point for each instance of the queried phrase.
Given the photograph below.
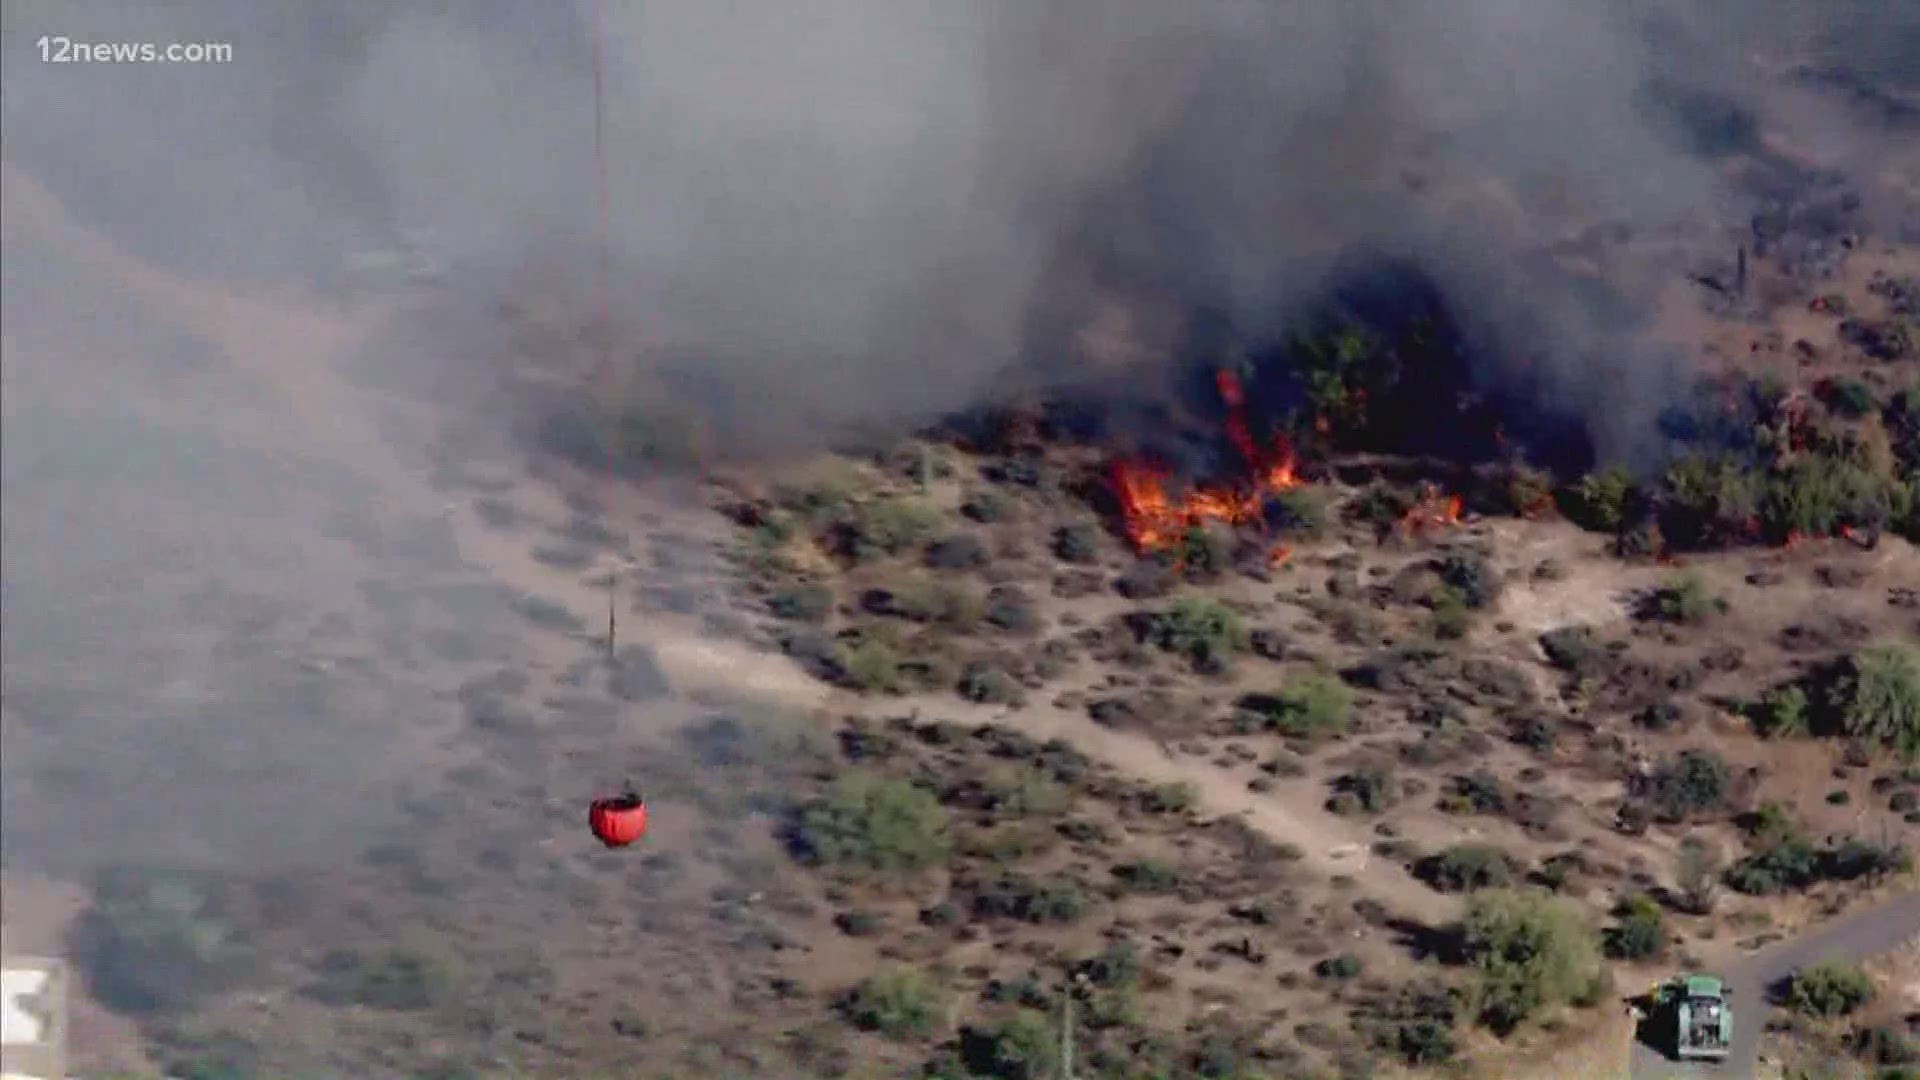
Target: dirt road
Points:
(1852, 938)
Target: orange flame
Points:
(1434, 510)
(1278, 555)
(1154, 521)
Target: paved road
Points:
(1851, 938)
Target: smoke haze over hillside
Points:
(857, 210)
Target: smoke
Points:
(879, 209)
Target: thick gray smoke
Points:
(845, 211)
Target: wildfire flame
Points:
(1435, 509)
(1154, 521)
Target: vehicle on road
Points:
(1693, 1017)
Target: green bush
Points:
(396, 980)
(1697, 873)
(1077, 543)
(986, 684)
(1172, 798)
(1024, 790)
(1341, 967)
(900, 1003)
(1818, 493)
(1602, 500)
(1781, 712)
(1684, 598)
(1528, 491)
(1878, 697)
(1204, 631)
(871, 663)
(1472, 576)
(1638, 931)
(1851, 398)
(1695, 782)
(1451, 618)
(888, 526)
(158, 940)
(1707, 501)
(1368, 790)
(984, 506)
(1149, 876)
(802, 603)
(1311, 706)
(1023, 1047)
(961, 551)
(1468, 868)
(1016, 896)
(1531, 952)
(1829, 989)
(1297, 511)
(875, 823)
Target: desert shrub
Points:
(1451, 617)
(1575, 650)
(802, 603)
(869, 662)
(1011, 609)
(1023, 1047)
(1467, 868)
(961, 551)
(984, 506)
(1368, 790)
(1342, 966)
(1780, 713)
(1707, 501)
(1697, 873)
(158, 940)
(1148, 875)
(395, 980)
(1300, 511)
(1478, 793)
(1204, 631)
(1877, 697)
(1023, 790)
(887, 526)
(1146, 579)
(988, 684)
(1828, 989)
(1205, 553)
(1171, 798)
(1684, 598)
(1077, 543)
(1312, 706)
(1886, 1046)
(900, 1003)
(927, 600)
(869, 822)
(1601, 501)
(1818, 493)
(1695, 782)
(1016, 896)
(1531, 952)
(1472, 576)
(1850, 398)
(1528, 491)
(1638, 930)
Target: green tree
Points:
(1697, 872)
(1638, 931)
(1531, 951)
(876, 823)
